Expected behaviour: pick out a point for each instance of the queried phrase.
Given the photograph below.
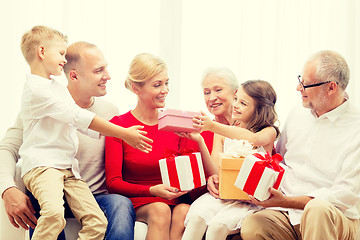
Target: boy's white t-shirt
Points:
(50, 119)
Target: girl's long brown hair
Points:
(265, 98)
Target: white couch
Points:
(9, 232)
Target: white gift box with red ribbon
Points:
(184, 172)
(258, 173)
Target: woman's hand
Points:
(166, 192)
(203, 122)
(213, 185)
(195, 136)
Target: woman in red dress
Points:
(136, 174)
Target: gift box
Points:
(229, 170)
(173, 120)
(183, 172)
(258, 173)
(230, 164)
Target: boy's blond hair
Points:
(35, 37)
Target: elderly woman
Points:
(219, 86)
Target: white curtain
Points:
(267, 40)
(257, 39)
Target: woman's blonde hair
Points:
(264, 96)
(143, 67)
(35, 37)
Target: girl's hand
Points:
(203, 122)
(166, 192)
(213, 185)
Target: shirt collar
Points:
(334, 114)
(34, 76)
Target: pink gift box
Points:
(258, 173)
(184, 172)
(172, 120)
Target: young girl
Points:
(254, 114)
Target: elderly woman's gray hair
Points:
(224, 73)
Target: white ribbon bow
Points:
(238, 148)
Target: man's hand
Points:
(19, 209)
(213, 185)
(278, 199)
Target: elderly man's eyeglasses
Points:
(310, 85)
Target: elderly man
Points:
(87, 75)
(320, 196)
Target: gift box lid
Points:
(231, 163)
(175, 112)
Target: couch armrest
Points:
(140, 230)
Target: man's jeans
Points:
(120, 214)
(118, 210)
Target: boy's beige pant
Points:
(48, 185)
(272, 224)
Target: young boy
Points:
(50, 120)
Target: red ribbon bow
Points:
(270, 161)
(168, 152)
(258, 169)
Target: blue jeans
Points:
(118, 210)
(120, 214)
